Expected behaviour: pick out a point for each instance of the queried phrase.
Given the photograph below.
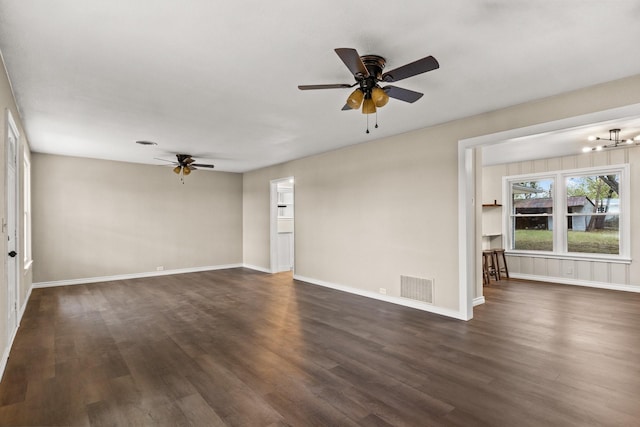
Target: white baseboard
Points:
(132, 276)
(478, 301)
(576, 282)
(24, 306)
(7, 350)
(255, 267)
(387, 298)
(5, 359)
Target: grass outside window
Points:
(598, 241)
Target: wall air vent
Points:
(416, 288)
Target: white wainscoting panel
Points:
(584, 270)
(526, 266)
(540, 267)
(616, 274)
(600, 271)
(554, 268)
(619, 273)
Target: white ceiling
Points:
(565, 142)
(218, 80)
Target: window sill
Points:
(616, 259)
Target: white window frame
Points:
(26, 171)
(560, 213)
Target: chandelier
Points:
(613, 141)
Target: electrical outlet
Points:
(160, 268)
(383, 291)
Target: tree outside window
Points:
(593, 214)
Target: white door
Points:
(12, 225)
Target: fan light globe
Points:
(368, 106)
(355, 99)
(186, 170)
(379, 96)
(177, 169)
(592, 138)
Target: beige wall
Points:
(24, 276)
(568, 269)
(95, 218)
(369, 213)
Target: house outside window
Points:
(532, 214)
(577, 213)
(596, 227)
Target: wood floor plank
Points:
(242, 348)
(198, 412)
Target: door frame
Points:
(273, 222)
(13, 283)
(468, 256)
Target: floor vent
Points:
(416, 288)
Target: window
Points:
(577, 213)
(593, 213)
(532, 214)
(27, 211)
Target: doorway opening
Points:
(282, 225)
(470, 180)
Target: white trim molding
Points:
(478, 301)
(132, 276)
(576, 282)
(255, 267)
(386, 298)
(7, 350)
(24, 306)
(5, 359)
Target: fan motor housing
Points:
(375, 64)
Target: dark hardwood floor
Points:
(241, 348)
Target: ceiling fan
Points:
(367, 71)
(186, 164)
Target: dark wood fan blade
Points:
(405, 95)
(200, 165)
(346, 107)
(332, 86)
(352, 60)
(188, 160)
(417, 67)
(165, 160)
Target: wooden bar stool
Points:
(488, 266)
(498, 255)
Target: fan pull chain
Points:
(368, 122)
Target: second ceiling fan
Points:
(367, 71)
(185, 164)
